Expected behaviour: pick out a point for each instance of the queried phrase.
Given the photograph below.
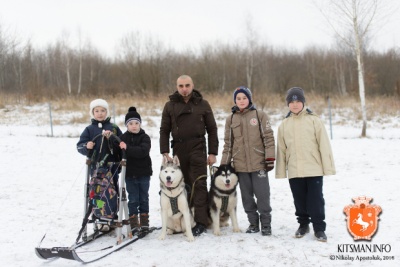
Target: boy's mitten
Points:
(269, 164)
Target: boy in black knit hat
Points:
(138, 169)
(304, 155)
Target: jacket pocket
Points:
(262, 152)
(235, 153)
(236, 130)
(317, 158)
(287, 158)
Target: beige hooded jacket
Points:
(303, 147)
(246, 142)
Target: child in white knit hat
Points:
(100, 125)
(105, 152)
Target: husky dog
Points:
(223, 198)
(176, 215)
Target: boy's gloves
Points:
(269, 164)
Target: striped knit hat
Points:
(132, 115)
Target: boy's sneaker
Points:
(320, 235)
(198, 229)
(303, 229)
(266, 230)
(253, 228)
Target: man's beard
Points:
(187, 97)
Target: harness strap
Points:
(225, 201)
(224, 205)
(174, 204)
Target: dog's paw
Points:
(190, 238)
(236, 230)
(217, 232)
(170, 232)
(161, 237)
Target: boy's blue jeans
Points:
(138, 194)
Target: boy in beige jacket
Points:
(304, 155)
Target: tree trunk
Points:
(68, 76)
(360, 70)
(249, 69)
(80, 75)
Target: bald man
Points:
(188, 118)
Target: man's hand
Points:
(211, 159)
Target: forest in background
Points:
(147, 66)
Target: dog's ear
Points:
(232, 165)
(176, 161)
(164, 161)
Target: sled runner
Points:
(108, 208)
(86, 254)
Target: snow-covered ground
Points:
(42, 180)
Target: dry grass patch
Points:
(75, 110)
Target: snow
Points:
(42, 179)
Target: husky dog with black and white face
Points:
(223, 198)
(176, 215)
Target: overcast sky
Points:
(178, 23)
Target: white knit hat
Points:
(98, 103)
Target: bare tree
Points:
(66, 56)
(251, 46)
(352, 21)
(80, 52)
(8, 46)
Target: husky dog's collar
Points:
(224, 196)
(222, 192)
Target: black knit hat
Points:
(295, 93)
(244, 90)
(132, 115)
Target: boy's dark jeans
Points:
(138, 194)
